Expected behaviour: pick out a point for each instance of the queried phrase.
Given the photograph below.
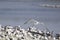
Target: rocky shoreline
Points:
(17, 33)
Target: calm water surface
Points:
(16, 13)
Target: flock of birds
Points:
(17, 33)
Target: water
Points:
(16, 13)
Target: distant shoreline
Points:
(50, 5)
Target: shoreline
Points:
(17, 33)
(50, 5)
